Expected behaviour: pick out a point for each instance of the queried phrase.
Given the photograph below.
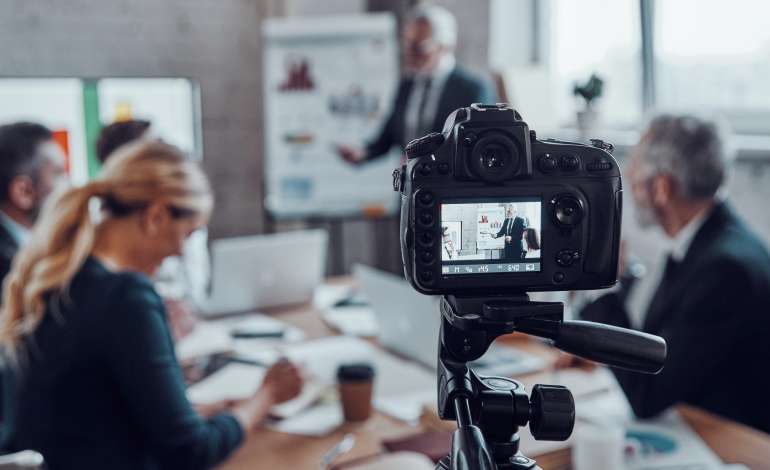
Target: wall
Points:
(216, 42)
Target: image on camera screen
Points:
(481, 237)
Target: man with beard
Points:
(433, 85)
(31, 165)
(712, 303)
(512, 230)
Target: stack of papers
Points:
(317, 421)
(353, 320)
(216, 336)
(241, 381)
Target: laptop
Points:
(263, 271)
(409, 323)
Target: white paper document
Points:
(240, 381)
(216, 336)
(358, 320)
(316, 421)
(232, 382)
(401, 387)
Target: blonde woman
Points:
(95, 383)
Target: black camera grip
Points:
(611, 345)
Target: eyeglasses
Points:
(181, 212)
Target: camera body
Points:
(487, 208)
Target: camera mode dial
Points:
(424, 145)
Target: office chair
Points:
(24, 460)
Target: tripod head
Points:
(489, 410)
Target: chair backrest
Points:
(24, 460)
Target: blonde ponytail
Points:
(65, 232)
(58, 248)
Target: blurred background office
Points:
(209, 62)
(273, 96)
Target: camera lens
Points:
(568, 210)
(495, 158)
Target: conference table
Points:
(266, 449)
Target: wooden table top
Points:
(265, 449)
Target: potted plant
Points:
(589, 91)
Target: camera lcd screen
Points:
(491, 237)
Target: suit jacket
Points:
(101, 387)
(8, 249)
(714, 312)
(460, 90)
(513, 250)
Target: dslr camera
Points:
(488, 213)
(487, 208)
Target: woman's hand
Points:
(281, 383)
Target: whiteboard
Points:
(329, 80)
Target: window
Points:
(602, 37)
(712, 55)
(703, 56)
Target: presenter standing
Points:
(431, 88)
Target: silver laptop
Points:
(409, 325)
(265, 270)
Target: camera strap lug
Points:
(398, 178)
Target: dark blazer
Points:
(713, 309)
(460, 90)
(8, 249)
(102, 388)
(513, 251)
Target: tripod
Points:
(490, 410)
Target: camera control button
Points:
(569, 163)
(547, 163)
(443, 168)
(600, 164)
(426, 218)
(426, 198)
(558, 277)
(426, 257)
(567, 210)
(427, 238)
(425, 169)
(426, 277)
(566, 258)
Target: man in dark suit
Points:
(712, 304)
(512, 229)
(432, 86)
(31, 165)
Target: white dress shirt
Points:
(436, 81)
(19, 232)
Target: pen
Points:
(256, 334)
